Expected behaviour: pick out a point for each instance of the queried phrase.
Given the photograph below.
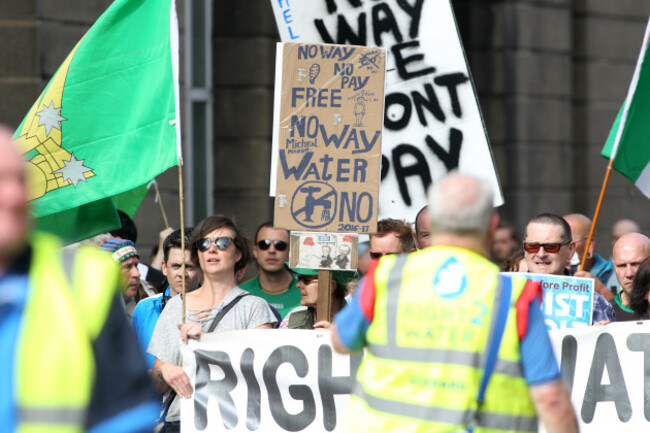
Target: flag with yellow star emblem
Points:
(107, 123)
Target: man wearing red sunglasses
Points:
(274, 283)
(548, 247)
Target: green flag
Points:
(628, 143)
(107, 123)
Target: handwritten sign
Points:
(327, 137)
(568, 301)
(432, 119)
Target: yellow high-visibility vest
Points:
(427, 343)
(54, 364)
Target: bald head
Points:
(629, 251)
(14, 214)
(460, 205)
(580, 226)
(623, 226)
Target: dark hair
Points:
(217, 222)
(402, 230)
(552, 219)
(417, 230)
(127, 230)
(266, 224)
(640, 288)
(511, 263)
(511, 228)
(174, 241)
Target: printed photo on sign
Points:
(432, 122)
(568, 301)
(316, 250)
(328, 114)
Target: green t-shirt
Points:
(283, 302)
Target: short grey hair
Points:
(461, 205)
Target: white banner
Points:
(292, 380)
(432, 121)
(266, 381)
(607, 369)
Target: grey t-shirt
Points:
(250, 312)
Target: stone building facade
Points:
(550, 75)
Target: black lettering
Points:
(404, 117)
(641, 343)
(568, 360)
(415, 12)
(451, 81)
(344, 32)
(385, 24)
(330, 385)
(402, 62)
(332, 7)
(253, 408)
(298, 360)
(605, 355)
(219, 389)
(385, 166)
(432, 104)
(451, 158)
(420, 168)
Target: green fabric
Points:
(619, 302)
(633, 154)
(105, 126)
(284, 302)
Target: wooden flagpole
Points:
(160, 203)
(596, 214)
(324, 305)
(181, 198)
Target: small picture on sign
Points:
(315, 250)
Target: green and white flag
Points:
(107, 123)
(628, 144)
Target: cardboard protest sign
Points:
(432, 120)
(605, 369)
(266, 381)
(568, 301)
(333, 251)
(327, 137)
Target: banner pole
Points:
(592, 229)
(160, 203)
(181, 198)
(324, 305)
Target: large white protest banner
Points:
(432, 120)
(266, 381)
(607, 370)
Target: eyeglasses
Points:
(265, 244)
(221, 243)
(379, 255)
(306, 279)
(551, 247)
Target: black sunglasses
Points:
(221, 243)
(379, 255)
(306, 279)
(550, 247)
(265, 244)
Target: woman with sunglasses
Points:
(304, 316)
(220, 250)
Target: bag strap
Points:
(505, 284)
(220, 315)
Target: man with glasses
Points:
(596, 267)
(548, 248)
(392, 237)
(274, 283)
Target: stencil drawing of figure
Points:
(359, 110)
(326, 258)
(342, 259)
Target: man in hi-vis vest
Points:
(452, 346)
(68, 360)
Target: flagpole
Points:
(180, 199)
(596, 214)
(160, 203)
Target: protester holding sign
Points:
(304, 316)
(220, 250)
(426, 319)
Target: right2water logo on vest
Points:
(451, 279)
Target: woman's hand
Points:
(190, 330)
(323, 324)
(176, 377)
